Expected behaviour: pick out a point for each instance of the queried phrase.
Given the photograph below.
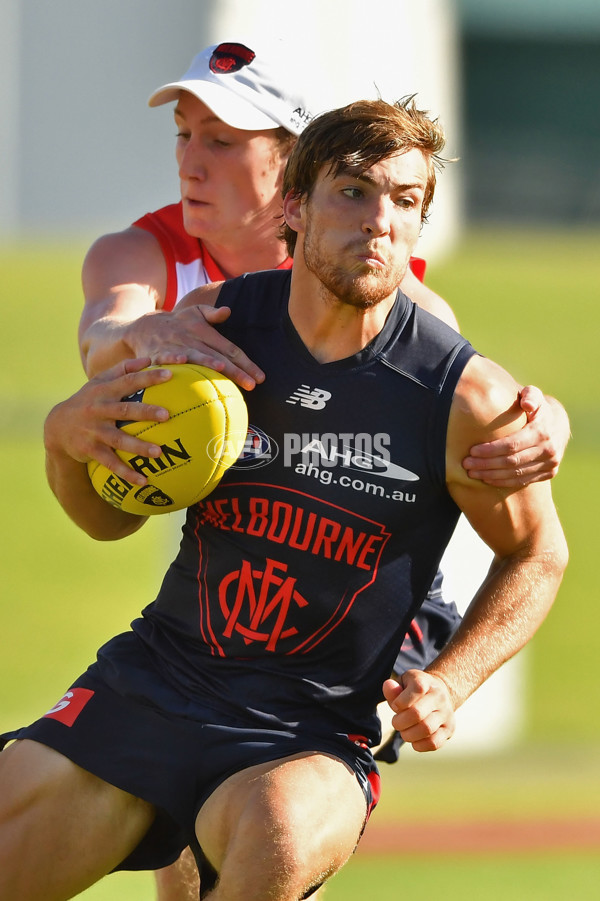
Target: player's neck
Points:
(331, 330)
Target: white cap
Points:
(242, 87)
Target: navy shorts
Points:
(173, 761)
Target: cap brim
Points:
(233, 110)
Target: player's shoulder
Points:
(256, 297)
(207, 295)
(249, 296)
(130, 244)
(424, 348)
(486, 393)
(485, 407)
(124, 261)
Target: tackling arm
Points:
(124, 283)
(124, 280)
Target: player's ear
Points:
(293, 211)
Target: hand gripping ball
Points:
(203, 436)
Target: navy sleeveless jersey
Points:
(297, 577)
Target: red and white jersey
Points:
(189, 265)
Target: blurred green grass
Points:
(491, 878)
(528, 300)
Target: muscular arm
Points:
(124, 279)
(520, 526)
(523, 530)
(124, 283)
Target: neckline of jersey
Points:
(373, 350)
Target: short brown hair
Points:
(360, 135)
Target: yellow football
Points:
(202, 438)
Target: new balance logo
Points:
(313, 398)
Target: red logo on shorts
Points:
(70, 706)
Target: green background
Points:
(528, 299)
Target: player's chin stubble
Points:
(362, 288)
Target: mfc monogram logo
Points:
(292, 583)
(257, 603)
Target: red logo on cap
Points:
(228, 58)
(70, 706)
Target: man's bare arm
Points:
(523, 530)
(124, 280)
